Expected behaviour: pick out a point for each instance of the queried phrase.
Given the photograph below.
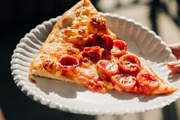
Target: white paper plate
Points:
(74, 98)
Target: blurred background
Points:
(18, 17)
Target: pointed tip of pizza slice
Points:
(164, 89)
(149, 83)
(143, 82)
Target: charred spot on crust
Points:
(97, 24)
(49, 66)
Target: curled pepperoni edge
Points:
(107, 68)
(146, 83)
(92, 53)
(122, 46)
(103, 40)
(68, 62)
(134, 62)
(125, 82)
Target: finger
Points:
(174, 66)
(175, 49)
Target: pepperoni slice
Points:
(129, 63)
(68, 62)
(104, 41)
(146, 82)
(106, 68)
(125, 82)
(119, 48)
(93, 83)
(92, 53)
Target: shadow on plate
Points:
(62, 88)
(70, 90)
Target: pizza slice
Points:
(81, 49)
